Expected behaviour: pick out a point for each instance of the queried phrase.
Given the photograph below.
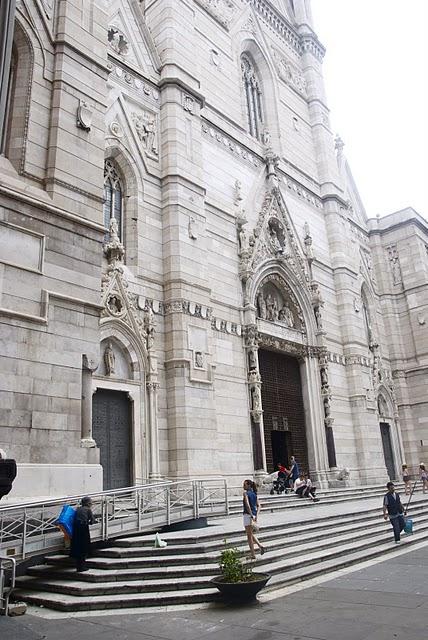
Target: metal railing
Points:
(7, 582)
(28, 529)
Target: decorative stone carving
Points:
(286, 316)
(199, 360)
(317, 303)
(395, 264)
(289, 73)
(230, 144)
(307, 239)
(109, 359)
(89, 363)
(114, 249)
(118, 41)
(116, 129)
(84, 115)
(188, 103)
(221, 10)
(149, 326)
(145, 126)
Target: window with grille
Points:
(112, 196)
(253, 98)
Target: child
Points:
(406, 478)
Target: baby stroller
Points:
(280, 484)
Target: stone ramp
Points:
(132, 574)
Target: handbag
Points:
(254, 526)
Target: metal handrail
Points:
(28, 529)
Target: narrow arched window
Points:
(367, 323)
(5, 143)
(253, 98)
(113, 196)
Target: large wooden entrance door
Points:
(111, 430)
(388, 453)
(283, 411)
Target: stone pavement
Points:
(383, 601)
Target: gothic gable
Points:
(129, 38)
(274, 237)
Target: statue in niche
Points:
(324, 379)
(318, 318)
(286, 316)
(262, 306)
(271, 308)
(256, 399)
(275, 240)
(252, 359)
(327, 406)
(109, 359)
(244, 242)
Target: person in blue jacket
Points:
(294, 470)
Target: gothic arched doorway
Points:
(283, 409)
(111, 429)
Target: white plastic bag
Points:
(159, 543)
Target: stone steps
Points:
(328, 496)
(132, 574)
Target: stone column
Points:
(7, 26)
(89, 365)
(314, 419)
(255, 399)
(154, 466)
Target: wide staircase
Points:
(303, 540)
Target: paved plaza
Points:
(383, 601)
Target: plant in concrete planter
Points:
(237, 580)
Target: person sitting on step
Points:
(304, 488)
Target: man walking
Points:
(393, 509)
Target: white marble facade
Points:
(172, 199)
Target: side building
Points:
(190, 282)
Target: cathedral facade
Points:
(190, 285)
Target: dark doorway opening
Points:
(283, 411)
(111, 430)
(388, 451)
(281, 447)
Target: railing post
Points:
(195, 499)
(106, 518)
(139, 510)
(24, 534)
(226, 497)
(168, 506)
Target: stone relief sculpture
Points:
(286, 316)
(274, 308)
(145, 126)
(117, 41)
(256, 398)
(252, 359)
(261, 303)
(109, 359)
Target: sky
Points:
(376, 75)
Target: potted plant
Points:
(237, 580)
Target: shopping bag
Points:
(65, 520)
(408, 526)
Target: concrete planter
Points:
(241, 591)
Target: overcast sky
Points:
(376, 73)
